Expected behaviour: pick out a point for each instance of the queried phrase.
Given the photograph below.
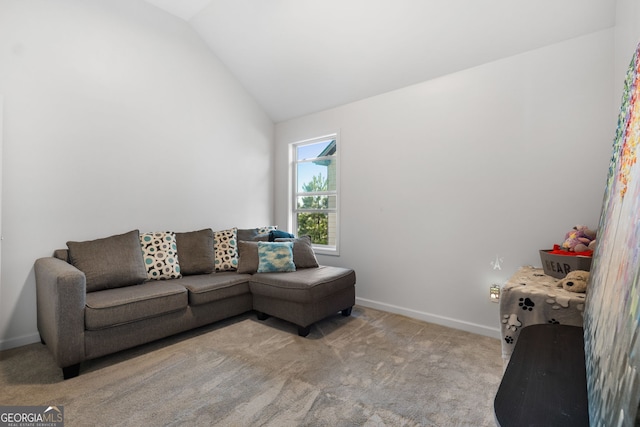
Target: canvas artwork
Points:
(612, 340)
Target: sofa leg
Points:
(346, 312)
(262, 316)
(303, 332)
(71, 371)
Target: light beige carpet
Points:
(371, 369)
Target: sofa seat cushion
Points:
(118, 306)
(304, 286)
(205, 288)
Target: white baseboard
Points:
(431, 318)
(19, 341)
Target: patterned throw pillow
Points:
(267, 229)
(225, 246)
(275, 256)
(160, 254)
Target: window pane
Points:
(316, 176)
(315, 170)
(316, 202)
(318, 149)
(315, 225)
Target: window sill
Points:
(325, 251)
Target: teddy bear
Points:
(575, 281)
(579, 239)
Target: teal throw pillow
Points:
(275, 257)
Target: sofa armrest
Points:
(61, 298)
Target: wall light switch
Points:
(494, 293)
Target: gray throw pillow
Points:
(303, 255)
(248, 257)
(111, 262)
(252, 235)
(195, 252)
(247, 234)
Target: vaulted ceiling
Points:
(300, 56)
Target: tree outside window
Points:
(315, 225)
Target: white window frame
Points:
(294, 194)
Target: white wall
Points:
(441, 178)
(117, 116)
(627, 38)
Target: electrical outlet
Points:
(494, 293)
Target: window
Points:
(315, 192)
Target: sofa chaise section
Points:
(305, 296)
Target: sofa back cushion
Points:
(255, 234)
(111, 262)
(303, 254)
(195, 249)
(248, 257)
(62, 254)
(247, 234)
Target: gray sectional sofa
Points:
(102, 296)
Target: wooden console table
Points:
(531, 297)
